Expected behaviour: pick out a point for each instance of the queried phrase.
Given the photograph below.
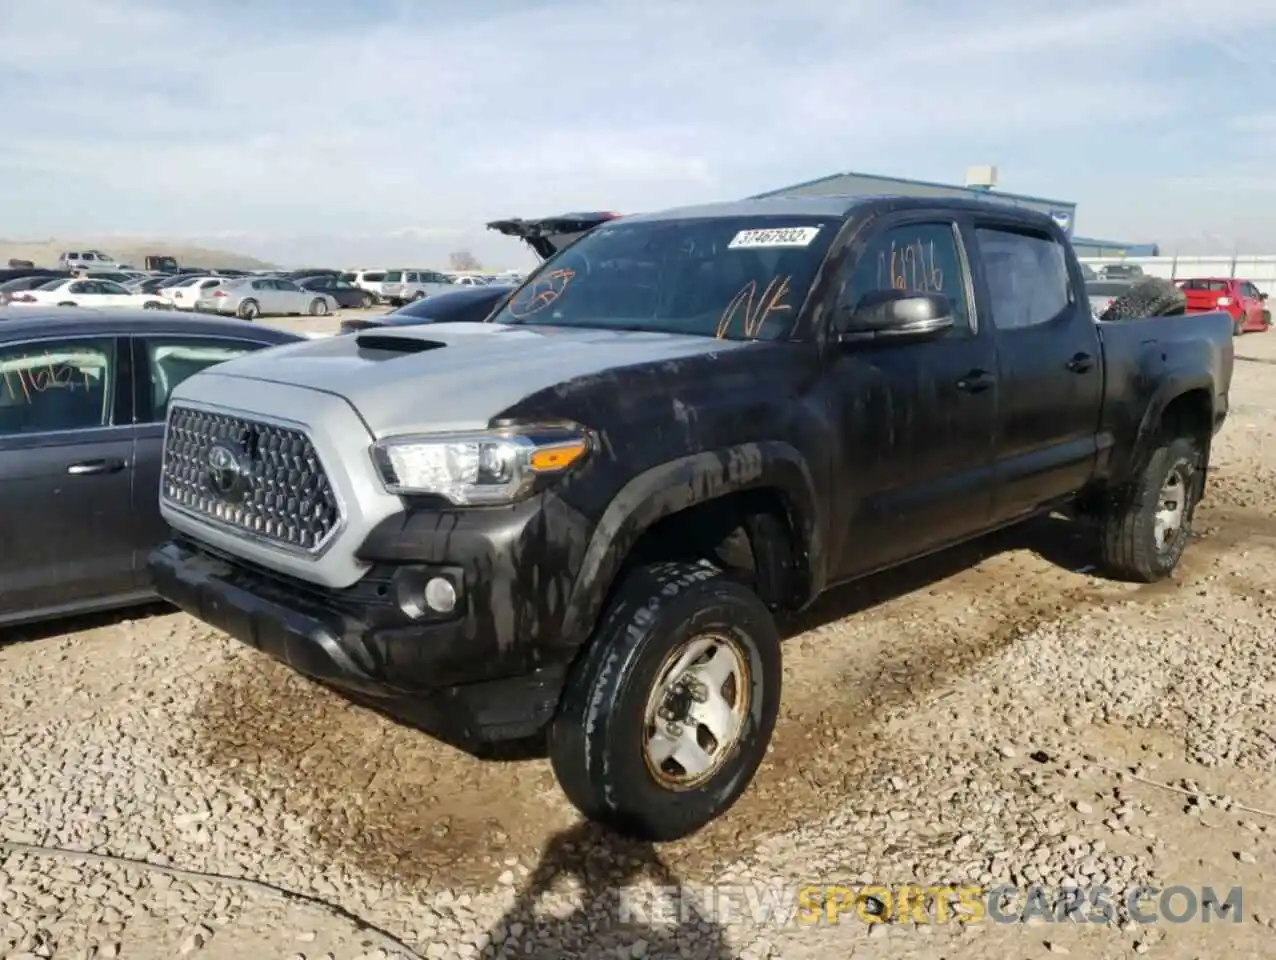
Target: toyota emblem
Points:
(225, 471)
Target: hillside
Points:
(44, 253)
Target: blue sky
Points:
(394, 129)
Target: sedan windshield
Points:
(736, 278)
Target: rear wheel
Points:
(68, 303)
(318, 307)
(668, 714)
(1147, 527)
(419, 295)
(249, 310)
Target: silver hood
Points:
(442, 377)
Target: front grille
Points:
(247, 475)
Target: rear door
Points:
(66, 473)
(1049, 364)
(162, 361)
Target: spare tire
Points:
(1149, 297)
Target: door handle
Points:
(976, 381)
(91, 468)
(1080, 362)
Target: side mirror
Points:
(1262, 296)
(896, 316)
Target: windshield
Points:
(736, 278)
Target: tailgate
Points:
(1204, 300)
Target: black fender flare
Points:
(669, 487)
(1174, 385)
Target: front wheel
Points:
(668, 714)
(368, 301)
(418, 296)
(68, 303)
(152, 305)
(318, 307)
(1238, 326)
(1147, 527)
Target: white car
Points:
(471, 280)
(405, 286)
(80, 292)
(184, 291)
(368, 281)
(86, 260)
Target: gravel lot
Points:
(992, 715)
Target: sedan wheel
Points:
(318, 307)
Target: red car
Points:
(1244, 301)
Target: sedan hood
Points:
(548, 235)
(455, 376)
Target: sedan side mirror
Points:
(897, 316)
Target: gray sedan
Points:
(252, 297)
(83, 398)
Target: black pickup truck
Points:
(580, 518)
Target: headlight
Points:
(496, 466)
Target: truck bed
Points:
(1147, 358)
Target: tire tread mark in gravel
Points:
(388, 940)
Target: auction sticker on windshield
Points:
(777, 237)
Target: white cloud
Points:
(340, 124)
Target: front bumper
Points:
(447, 673)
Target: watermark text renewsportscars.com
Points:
(784, 905)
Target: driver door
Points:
(918, 421)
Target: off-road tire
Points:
(1149, 297)
(1127, 538)
(596, 740)
(249, 310)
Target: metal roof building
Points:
(980, 185)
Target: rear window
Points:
(1210, 286)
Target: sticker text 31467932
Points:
(776, 237)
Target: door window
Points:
(1027, 277)
(169, 361)
(57, 385)
(913, 258)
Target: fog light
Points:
(440, 595)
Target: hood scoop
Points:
(393, 344)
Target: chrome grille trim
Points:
(284, 497)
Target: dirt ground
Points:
(993, 715)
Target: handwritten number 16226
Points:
(910, 267)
